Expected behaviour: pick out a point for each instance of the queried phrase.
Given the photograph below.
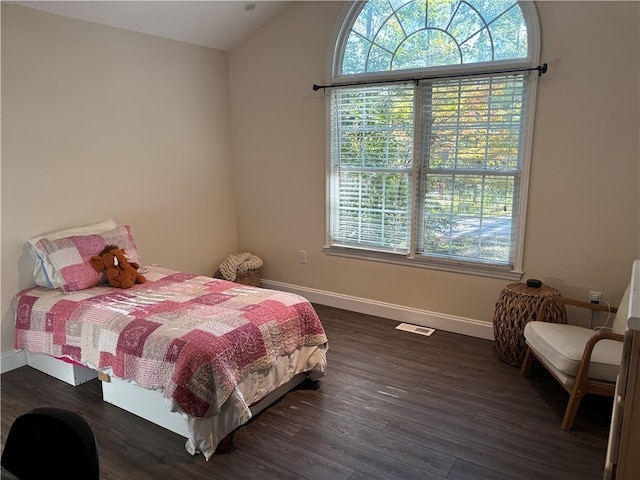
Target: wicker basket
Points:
(517, 305)
(250, 277)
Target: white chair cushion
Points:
(563, 345)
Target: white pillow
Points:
(45, 273)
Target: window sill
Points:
(466, 268)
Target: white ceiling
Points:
(215, 24)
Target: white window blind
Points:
(372, 166)
(455, 196)
(471, 139)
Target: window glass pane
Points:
(440, 13)
(511, 30)
(473, 127)
(371, 18)
(374, 127)
(390, 35)
(468, 216)
(427, 48)
(491, 9)
(474, 123)
(478, 48)
(379, 59)
(412, 16)
(403, 35)
(373, 209)
(355, 54)
(465, 23)
(372, 138)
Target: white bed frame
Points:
(67, 372)
(151, 405)
(147, 404)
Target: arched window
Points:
(431, 110)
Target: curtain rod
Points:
(540, 68)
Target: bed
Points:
(207, 348)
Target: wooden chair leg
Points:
(572, 408)
(526, 364)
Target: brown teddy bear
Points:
(120, 272)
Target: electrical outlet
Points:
(595, 297)
(302, 256)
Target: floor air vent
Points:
(407, 327)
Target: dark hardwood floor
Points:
(393, 405)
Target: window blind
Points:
(452, 193)
(372, 166)
(471, 142)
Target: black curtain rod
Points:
(540, 68)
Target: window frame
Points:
(334, 59)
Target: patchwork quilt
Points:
(193, 337)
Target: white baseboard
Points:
(12, 360)
(425, 318)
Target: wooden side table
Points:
(517, 305)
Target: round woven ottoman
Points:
(517, 305)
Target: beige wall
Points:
(99, 122)
(583, 218)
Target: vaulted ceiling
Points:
(215, 24)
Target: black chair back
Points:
(51, 443)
